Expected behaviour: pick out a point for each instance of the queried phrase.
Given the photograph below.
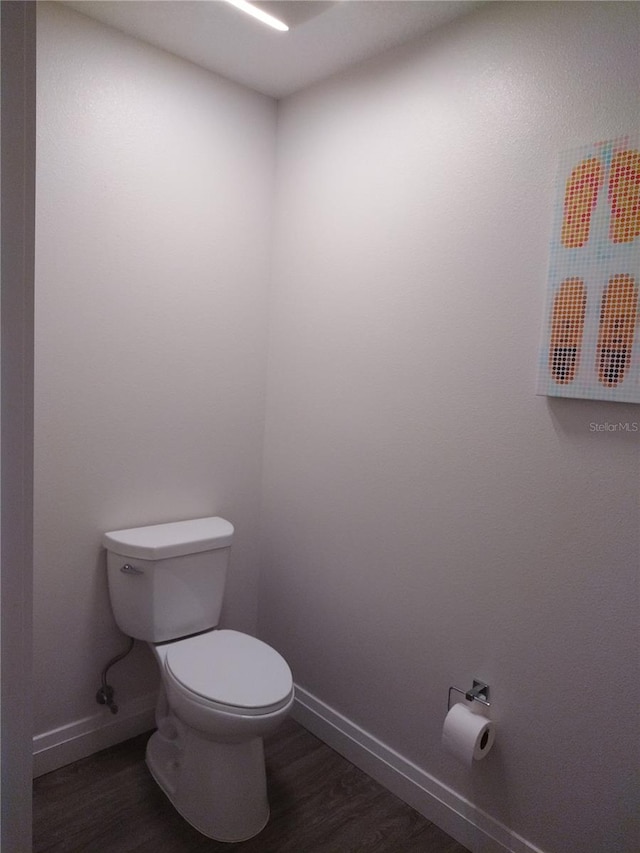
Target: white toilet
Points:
(222, 691)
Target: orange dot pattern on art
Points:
(581, 195)
(624, 197)
(567, 328)
(618, 318)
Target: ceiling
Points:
(324, 37)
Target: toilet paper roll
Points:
(466, 735)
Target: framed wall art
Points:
(591, 343)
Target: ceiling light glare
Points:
(250, 9)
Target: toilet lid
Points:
(230, 668)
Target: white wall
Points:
(427, 518)
(154, 192)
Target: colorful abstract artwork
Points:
(591, 341)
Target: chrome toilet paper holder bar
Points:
(478, 693)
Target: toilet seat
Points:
(229, 671)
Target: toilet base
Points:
(219, 788)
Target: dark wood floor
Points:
(320, 803)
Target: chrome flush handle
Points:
(128, 569)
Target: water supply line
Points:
(105, 694)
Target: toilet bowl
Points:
(222, 691)
(226, 684)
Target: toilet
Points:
(222, 691)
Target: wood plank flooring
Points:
(320, 803)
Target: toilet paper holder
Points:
(478, 693)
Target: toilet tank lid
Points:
(175, 539)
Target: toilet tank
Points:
(167, 581)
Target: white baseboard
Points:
(458, 817)
(91, 734)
